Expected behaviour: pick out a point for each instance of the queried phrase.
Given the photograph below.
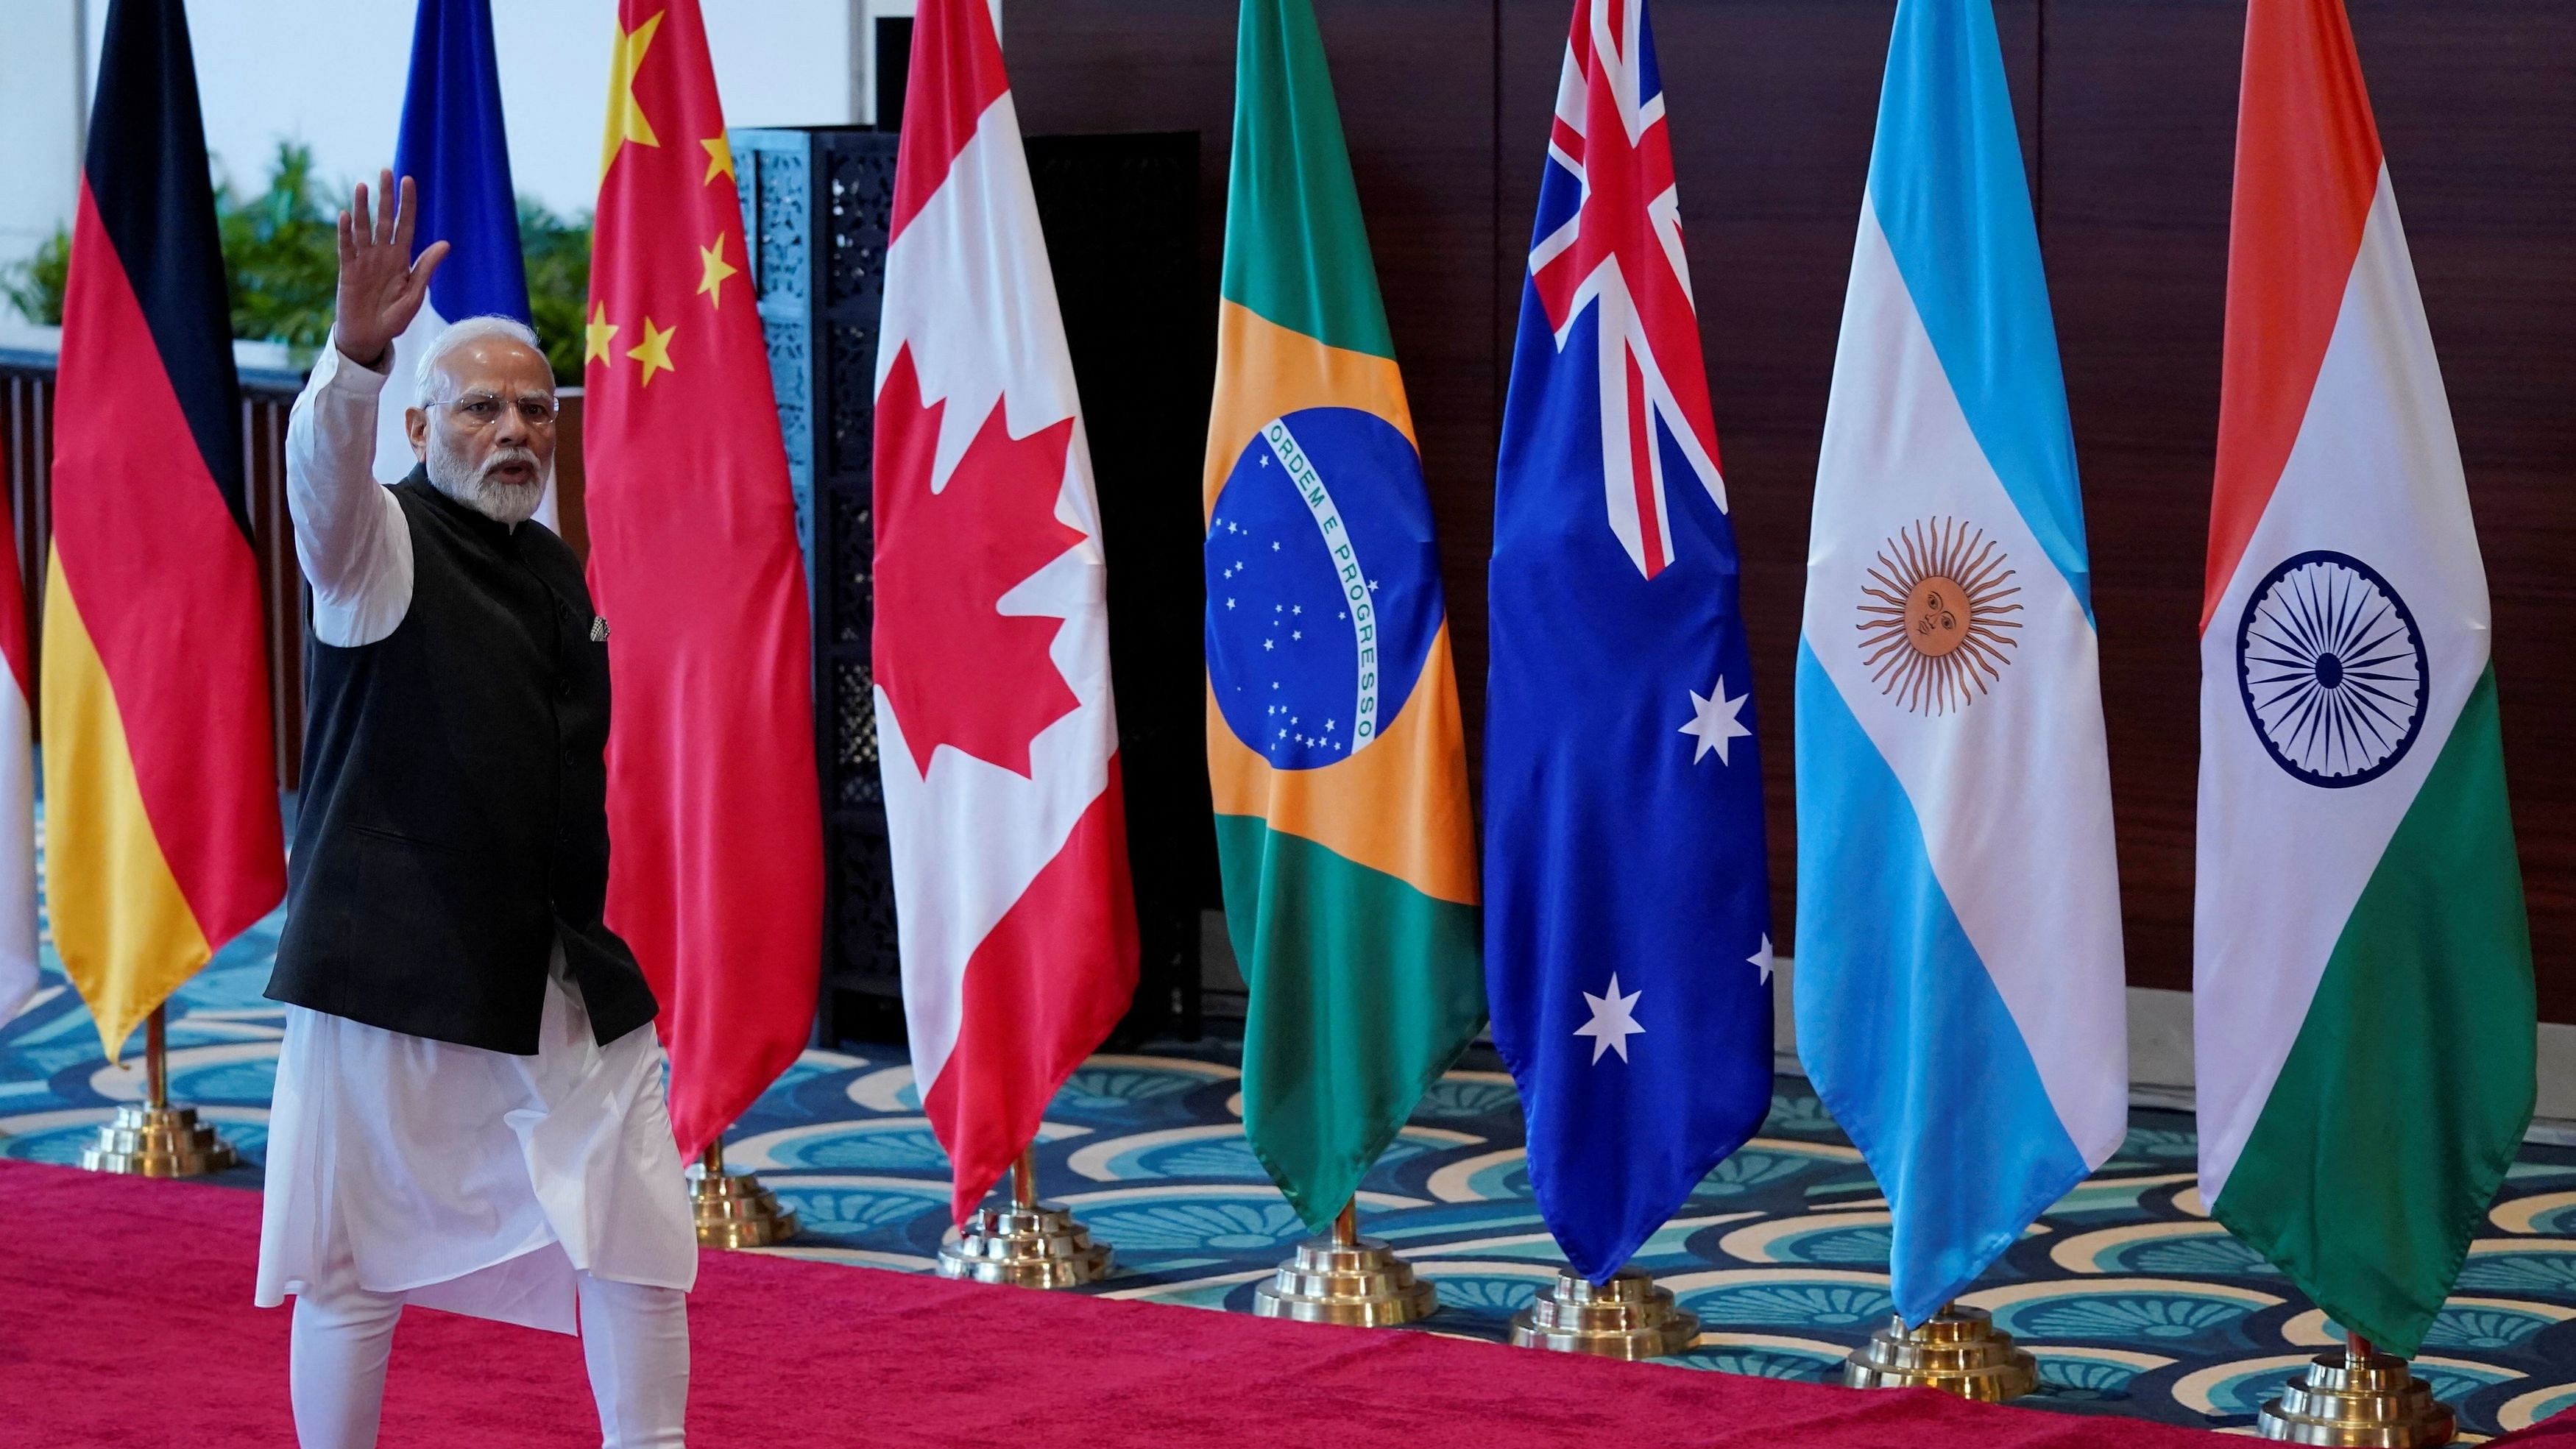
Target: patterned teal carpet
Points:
(2133, 1301)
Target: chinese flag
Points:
(714, 818)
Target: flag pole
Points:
(1024, 1180)
(1958, 1350)
(1344, 1278)
(1625, 1316)
(152, 1138)
(732, 1209)
(156, 1060)
(1025, 1243)
(2358, 1396)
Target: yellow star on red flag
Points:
(626, 120)
(654, 351)
(713, 270)
(719, 157)
(596, 335)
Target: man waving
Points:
(469, 1109)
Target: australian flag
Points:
(453, 147)
(1627, 915)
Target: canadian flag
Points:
(996, 734)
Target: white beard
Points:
(477, 489)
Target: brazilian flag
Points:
(1334, 744)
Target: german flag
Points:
(161, 794)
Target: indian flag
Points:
(2363, 967)
(1335, 751)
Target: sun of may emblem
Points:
(1936, 616)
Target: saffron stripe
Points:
(2307, 165)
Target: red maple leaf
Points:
(958, 670)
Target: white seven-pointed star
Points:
(1762, 960)
(1613, 1020)
(1713, 720)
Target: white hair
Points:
(424, 377)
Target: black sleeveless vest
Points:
(454, 820)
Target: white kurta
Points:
(467, 1180)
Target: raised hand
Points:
(381, 287)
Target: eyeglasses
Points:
(483, 409)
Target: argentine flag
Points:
(1958, 971)
(453, 147)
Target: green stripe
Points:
(1296, 251)
(1364, 990)
(2408, 1090)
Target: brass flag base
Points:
(1345, 1279)
(164, 1141)
(151, 1138)
(1958, 1351)
(1025, 1244)
(2359, 1396)
(732, 1209)
(1628, 1317)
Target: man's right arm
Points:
(350, 534)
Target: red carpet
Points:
(2558, 1432)
(125, 1320)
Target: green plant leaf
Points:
(556, 251)
(35, 286)
(282, 266)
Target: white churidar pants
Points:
(542, 1191)
(634, 1339)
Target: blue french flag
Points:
(1627, 896)
(453, 147)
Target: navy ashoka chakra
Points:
(2332, 669)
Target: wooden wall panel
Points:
(2477, 117)
(1416, 80)
(2139, 113)
(1416, 84)
(2127, 113)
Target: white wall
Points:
(330, 73)
(42, 111)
